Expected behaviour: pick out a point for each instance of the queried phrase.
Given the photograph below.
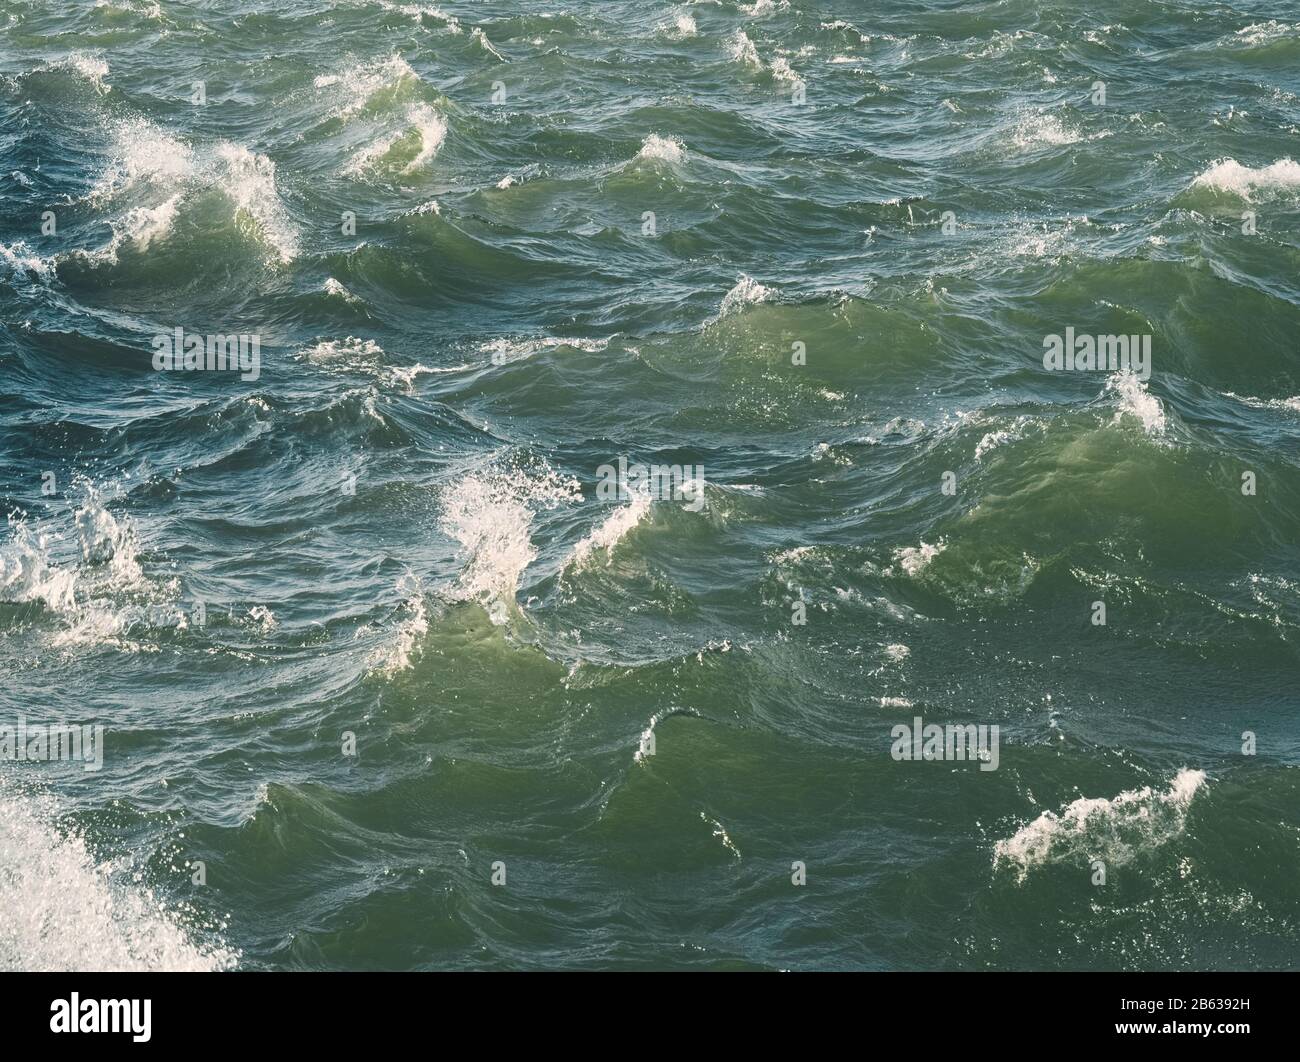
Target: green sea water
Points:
(389, 679)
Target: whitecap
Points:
(350, 353)
(335, 289)
(20, 262)
(147, 162)
(612, 530)
(92, 68)
(362, 357)
(490, 512)
(422, 119)
(142, 153)
(915, 559)
(248, 179)
(1042, 129)
(762, 8)
(483, 42)
(1229, 175)
(65, 910)
(662, 148)
(746, 292)
(742, 50)
(1114, 830)
(357, 85)
(783, 71)
(1267, 32)
(681, 26)
(1135, 400)
(408, 638)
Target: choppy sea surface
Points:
(387, 681)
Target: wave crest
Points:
(1114, 830)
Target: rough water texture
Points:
(592, 231)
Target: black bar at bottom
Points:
(338, 1010)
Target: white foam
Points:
(64, 910)
(525, 173)
(1267, 32)
(144, 225)
(782, 71)
(1229, 175)
(418, 12)
(106, 540)
(746, 292)
(405, 377)
(505, 350)
(19, 261)
(28, 572)
(741, 49)
(146, 8)
(97, 592)
(663, 148)
(148, 163)
(92, 68)
(1290, 404)
(612, 530)
(143, 154)
(991, 441)
(1113, 830)
(915, 559)
(335, 289)
(140, 226)
(363, 357)
(490, 513)
(248, 179)
(1135, 400)
(424, 121)
(357, 85)
(1042, 129)
(410, 633)
(720, 832)
(432, 128)
(681, 26)
(482, 39)
(647, 735)
(352, 354)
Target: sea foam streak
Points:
(504, 350)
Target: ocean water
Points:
(388, 680)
